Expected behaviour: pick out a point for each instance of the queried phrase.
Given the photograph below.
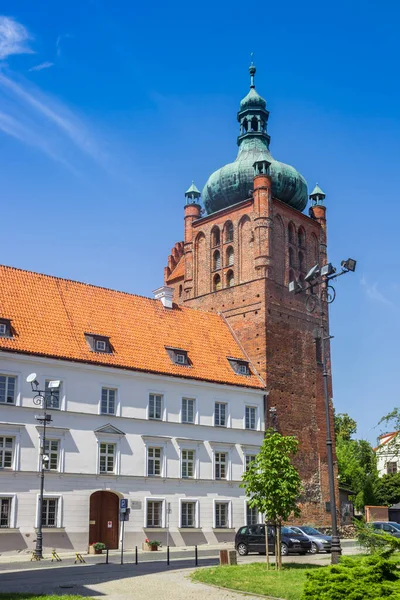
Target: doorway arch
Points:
(104, 519)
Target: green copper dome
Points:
(234, 182)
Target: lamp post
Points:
(40, 399)
(319, 277)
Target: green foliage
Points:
(388, 489)
(99, 546)
(376, 540)
(371, 578)
(271, 482)
(356, 462)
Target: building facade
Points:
(237, 260)
(387, 454)
(155, 404)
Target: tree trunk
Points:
(266, 545)
(279, 537)
(276, 547)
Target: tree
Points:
(356, 462)
(392, 419)
(388, 489)
(273, 484)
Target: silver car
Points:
(319, 541)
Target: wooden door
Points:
(104, 524)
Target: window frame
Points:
(227, 464)
(59, 512)
(251, 407)
(49, 440)
(227, 414)
(56, 393)
(163, 407)
(396, 467)
(13, 510)
(4, 450)
(154, 458)
(8, 376)
(229, 520)
(108, 389)
(109, 443)
(163, 512)
(193, 461)
(196, 502)
(195, 415)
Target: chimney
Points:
(165, 294)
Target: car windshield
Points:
(395, 525)
(311, 531)
(288, 530)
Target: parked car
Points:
(319, 541)
(387, 527)
(251, 538)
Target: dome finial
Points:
(252, 70)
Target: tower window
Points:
(245, 125)
(229, 229)
(229, 256)
(215, 237)
(291, 258)
(291, 233)
(180, 291)
(301, 236)
(254, 124)
(230, 279)
(301, 261)
(217, 283)
(291, 276)
(216, 260)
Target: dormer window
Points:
(241, 367)
(5, 328)
(98, 343)
(178, 356)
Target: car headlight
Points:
(294, 540)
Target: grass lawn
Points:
(38, 597)
(255, 578)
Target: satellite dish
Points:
(31, 378)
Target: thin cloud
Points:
(373, 293)
(60, 38)
(43, 65)
(14, 38)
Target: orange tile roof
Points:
(179, 271)
(51, 315)
(390, 436)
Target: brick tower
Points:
(238, 260)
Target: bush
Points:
(371, 578)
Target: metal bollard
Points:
(196, 557)
(107, 556)
(136, 556)
(167, 555)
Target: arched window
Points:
(229, 256)
(301, 262)
(215, 237)
(301, 236)
(229, 232)
(291, 233)
(217, 283)
(216, 260)
(180, 291)
(291, 276)
(245, 125)
(254, 124)
(230, 279)
(291, 258)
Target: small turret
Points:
(192, 195)
(317, 196)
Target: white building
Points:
(388, 453)
(157, 404)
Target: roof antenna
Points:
(252, 71)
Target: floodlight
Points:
(45, 458)
(295, 286)
(328, 269)
(349, 264)
(46, 418)
(32, 379)
(54, 385)
(312, 273)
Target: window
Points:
(216, 260)
(249, 459)
(291, 276)
(220, 465)
(221, 515)
(6, 452)
(301, 236)
(229, 256)
(301, 262)
(3, 329)
(188, 408)
(5, 512)
(251, 515)
(291, 233)
(52, 395)
(188, 463)
(98, 343)
(107, 457)
(155, 406)
(229, 232)
(181, 359)
(220, 414)
(101, 346)
(154, 458)
(49, 512)
(215, 237)
(391, 467)
(251, 417)
(230, 279)
(188, 514)
(108, 401)
(217, 283)
(51, 449)
(291, 258)
(318, 350)
(7, 389)
(243, 369)
(154, 513)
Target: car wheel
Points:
(242, 549)
(284, 549)
(314, 548)
(302, 553)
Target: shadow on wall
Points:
(193, 538)
(57, 539)
(11, 541)
(224, 536)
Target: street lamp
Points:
(319, 277)
(40, 399)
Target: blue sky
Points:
(109, 110)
